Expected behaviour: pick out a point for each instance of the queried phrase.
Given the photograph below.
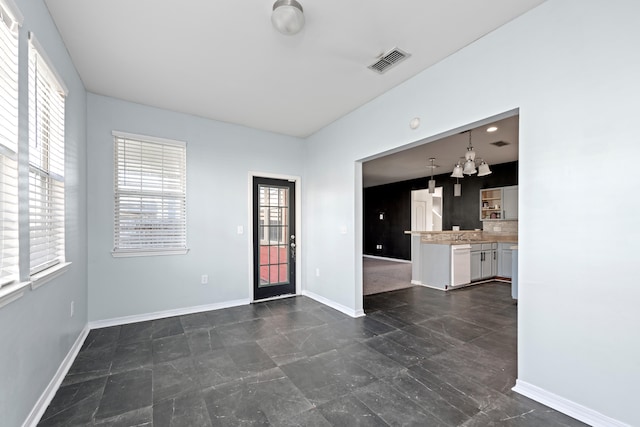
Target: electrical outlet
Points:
(204, 279)
(317, 272)
(379, 247)
(72, 308)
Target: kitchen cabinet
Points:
(499, 203)
(484, 261)
(505, 262)
(490, 204)
(476, 265)
(510, 202)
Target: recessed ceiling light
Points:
(492, 128)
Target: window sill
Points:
(12, 292)
(124, 254)
(50, 273)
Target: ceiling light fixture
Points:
(432, 182)
(457, 173)
(469, 167)
(492, 129)
(287, 17)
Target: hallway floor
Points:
(420, 357)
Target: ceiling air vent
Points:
(500, 143)
(388, 60)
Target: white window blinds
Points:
(46, 162)
(8, 145)
(150, 196)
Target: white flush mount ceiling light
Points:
(491, 129)
(287, 17)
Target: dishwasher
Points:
(460, 265)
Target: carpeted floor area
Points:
(382, 276)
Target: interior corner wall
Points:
(37, 331)
(571, 68)
(219, 159)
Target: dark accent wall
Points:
(394, 201)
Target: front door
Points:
(274, 238)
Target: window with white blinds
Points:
(46, 162)
(150, 196)
(8, 145)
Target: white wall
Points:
(36, 331)
(219, 158)
(572, 68)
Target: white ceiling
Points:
(223, 60)
(413, 163)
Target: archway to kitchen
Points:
(480, 317)
(390, 179)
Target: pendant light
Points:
(432, 182)
(457, 174)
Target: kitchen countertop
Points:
(470, 242)
(462, 237)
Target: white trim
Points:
(416, 282)
(147, 138)
(128, 254)
(49, 274)
(430, 286)
(299, 234)
(12, 292)
(566, 406)
(47, 395)
(43, 55)
(13, 10)
(344, 309)
(277, 297)
(96, 324)
(387, 259)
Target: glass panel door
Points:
(274, 237)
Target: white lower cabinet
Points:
(504, 260)
(483, 261)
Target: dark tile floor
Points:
(420, 357)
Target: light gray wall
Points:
(219, 158)
(571, 67)
(37, 331)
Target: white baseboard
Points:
(566, 406)
(166, 313)
(47, 395)
(387, 259)
(344, 309)
(429, 286)
(416, 282)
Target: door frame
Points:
(297, 180)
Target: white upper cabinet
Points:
(499, 203)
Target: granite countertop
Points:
(471, 242)
(463, 237)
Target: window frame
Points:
(46, 166)
(10, 22)
(122, 245)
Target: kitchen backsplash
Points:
(500, 227)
